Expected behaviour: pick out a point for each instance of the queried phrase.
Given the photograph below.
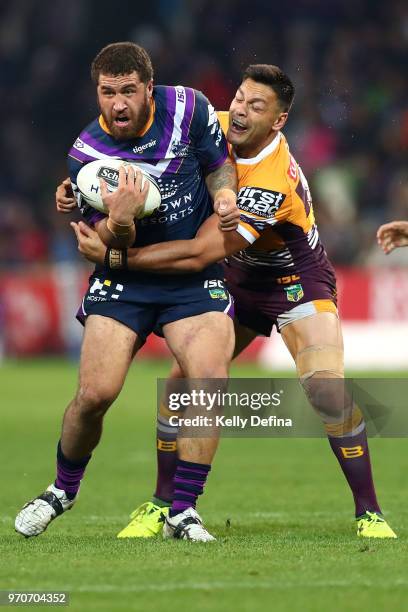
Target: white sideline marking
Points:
(197, 586)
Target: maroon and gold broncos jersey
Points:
(276, 212)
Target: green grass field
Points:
(290, 544)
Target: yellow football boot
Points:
(147, 521)
(373, 525)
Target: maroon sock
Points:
(353, 455)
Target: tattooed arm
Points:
(222, 185)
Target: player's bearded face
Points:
(125, 104)
(254, 118)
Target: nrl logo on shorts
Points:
(218, 294)
(294, 293)
(261, 202)
(109, 175)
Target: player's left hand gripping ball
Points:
(127, 201)
(225, 205)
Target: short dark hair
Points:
(122, 58)
(275, 78)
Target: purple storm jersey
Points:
(184, 143)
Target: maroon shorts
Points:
(263, 300)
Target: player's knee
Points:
(328, 395)
(321, 373)
(212, 371)
(207, 367)
(95, 401)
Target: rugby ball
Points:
(108, 169)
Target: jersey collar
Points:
(270, 148)
(147, 127)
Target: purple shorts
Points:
(263, 300)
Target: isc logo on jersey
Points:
(261, 202)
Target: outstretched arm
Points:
(178, 256)
(209, 246)
(393, 235)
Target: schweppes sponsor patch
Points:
(260, 202)
(109, 175)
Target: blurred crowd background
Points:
(348, 128)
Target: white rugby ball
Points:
(108, 169)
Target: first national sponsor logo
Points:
(260, 202)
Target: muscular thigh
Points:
(320, 329)
(243, 338)
(202, 345)
(107, 351)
